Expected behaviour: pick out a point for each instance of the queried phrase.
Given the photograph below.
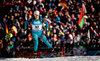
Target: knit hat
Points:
(36, 12)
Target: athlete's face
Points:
(36, 16)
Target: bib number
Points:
(36, 27)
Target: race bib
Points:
(36, 27)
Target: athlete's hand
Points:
(44, 32)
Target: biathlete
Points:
(37, 32)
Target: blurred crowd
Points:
(64, 32)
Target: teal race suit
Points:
(37, 32)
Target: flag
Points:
(81, 19)
(63, 3)
(6, 28)
(48, 20)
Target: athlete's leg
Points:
(35, 38)
(44, 39)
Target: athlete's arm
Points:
(47, 26)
